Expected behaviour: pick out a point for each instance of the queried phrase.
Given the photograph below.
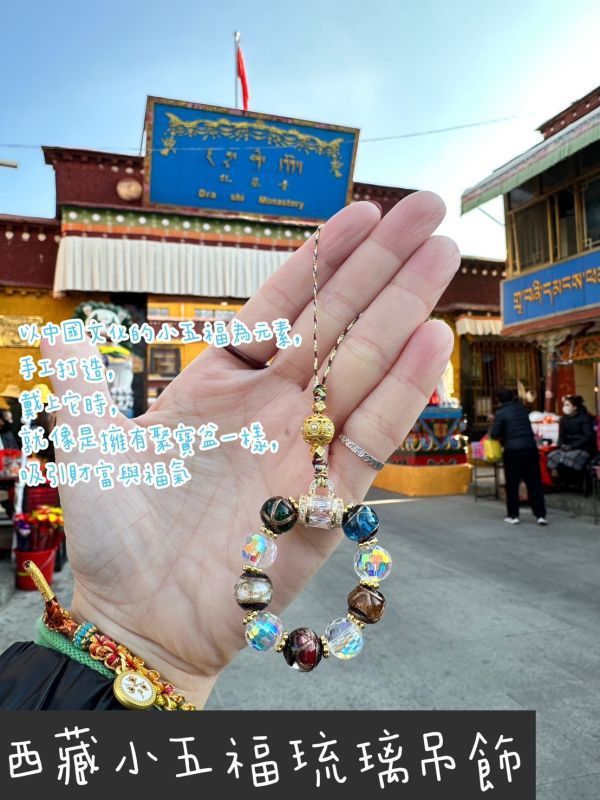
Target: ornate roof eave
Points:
(54, 154)
(12, 221)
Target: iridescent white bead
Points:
(344, 637)
(264, 631)
(259, 550)
(374, 563)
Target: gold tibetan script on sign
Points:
(252, 130)
(9, 330)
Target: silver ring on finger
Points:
(361, 452)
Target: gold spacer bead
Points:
(281, 643)
(294, 502)
(249, 617)
(268, 532)
(253, 570)
(325, 645)
(368, 543)
(355, 620)
(370, 583)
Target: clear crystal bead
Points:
(344, 637)
(259, 550)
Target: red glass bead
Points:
(303, 650)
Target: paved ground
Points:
(480, 615)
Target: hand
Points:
(155, 569)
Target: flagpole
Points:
(236, 41)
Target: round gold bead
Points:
(318, 430)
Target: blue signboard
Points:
(551, 291)
(232, 162)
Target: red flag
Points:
(241, 73)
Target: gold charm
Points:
(134, 690)
(318, 430)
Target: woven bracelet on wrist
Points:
(134, 685)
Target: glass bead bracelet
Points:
(303, 649)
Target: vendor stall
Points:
(432, 460)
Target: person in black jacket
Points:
(576, 440)
(521, 459)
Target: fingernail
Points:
(375, 203)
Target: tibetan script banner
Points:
(569, 286)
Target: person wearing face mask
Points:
(521, 459)
(576, 441)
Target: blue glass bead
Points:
(264, 631)
(344, 637)
(360, 523)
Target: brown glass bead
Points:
(366, 604)
(253, 592)
(303, 650)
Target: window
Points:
(591, 208)
(589, 157)
(558, 174)
(165, 361)
(531, 233)
(564, 227)
(158, 311)
(523, 193)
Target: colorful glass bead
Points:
(264, 631)
(303, 650)
(360, 523)
(253, 592)
(373, 562)
(345, 638)
(366, 604)
(259, 550)
(278, 514)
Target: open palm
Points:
(155, 569)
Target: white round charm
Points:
(134, 690)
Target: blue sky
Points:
(77, 75)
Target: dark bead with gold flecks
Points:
(366, 604)
(278, 514)
(303, 650)
(253, 591)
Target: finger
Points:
(289, 289)
(361, 278)
(374, 343)
(384, 418)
